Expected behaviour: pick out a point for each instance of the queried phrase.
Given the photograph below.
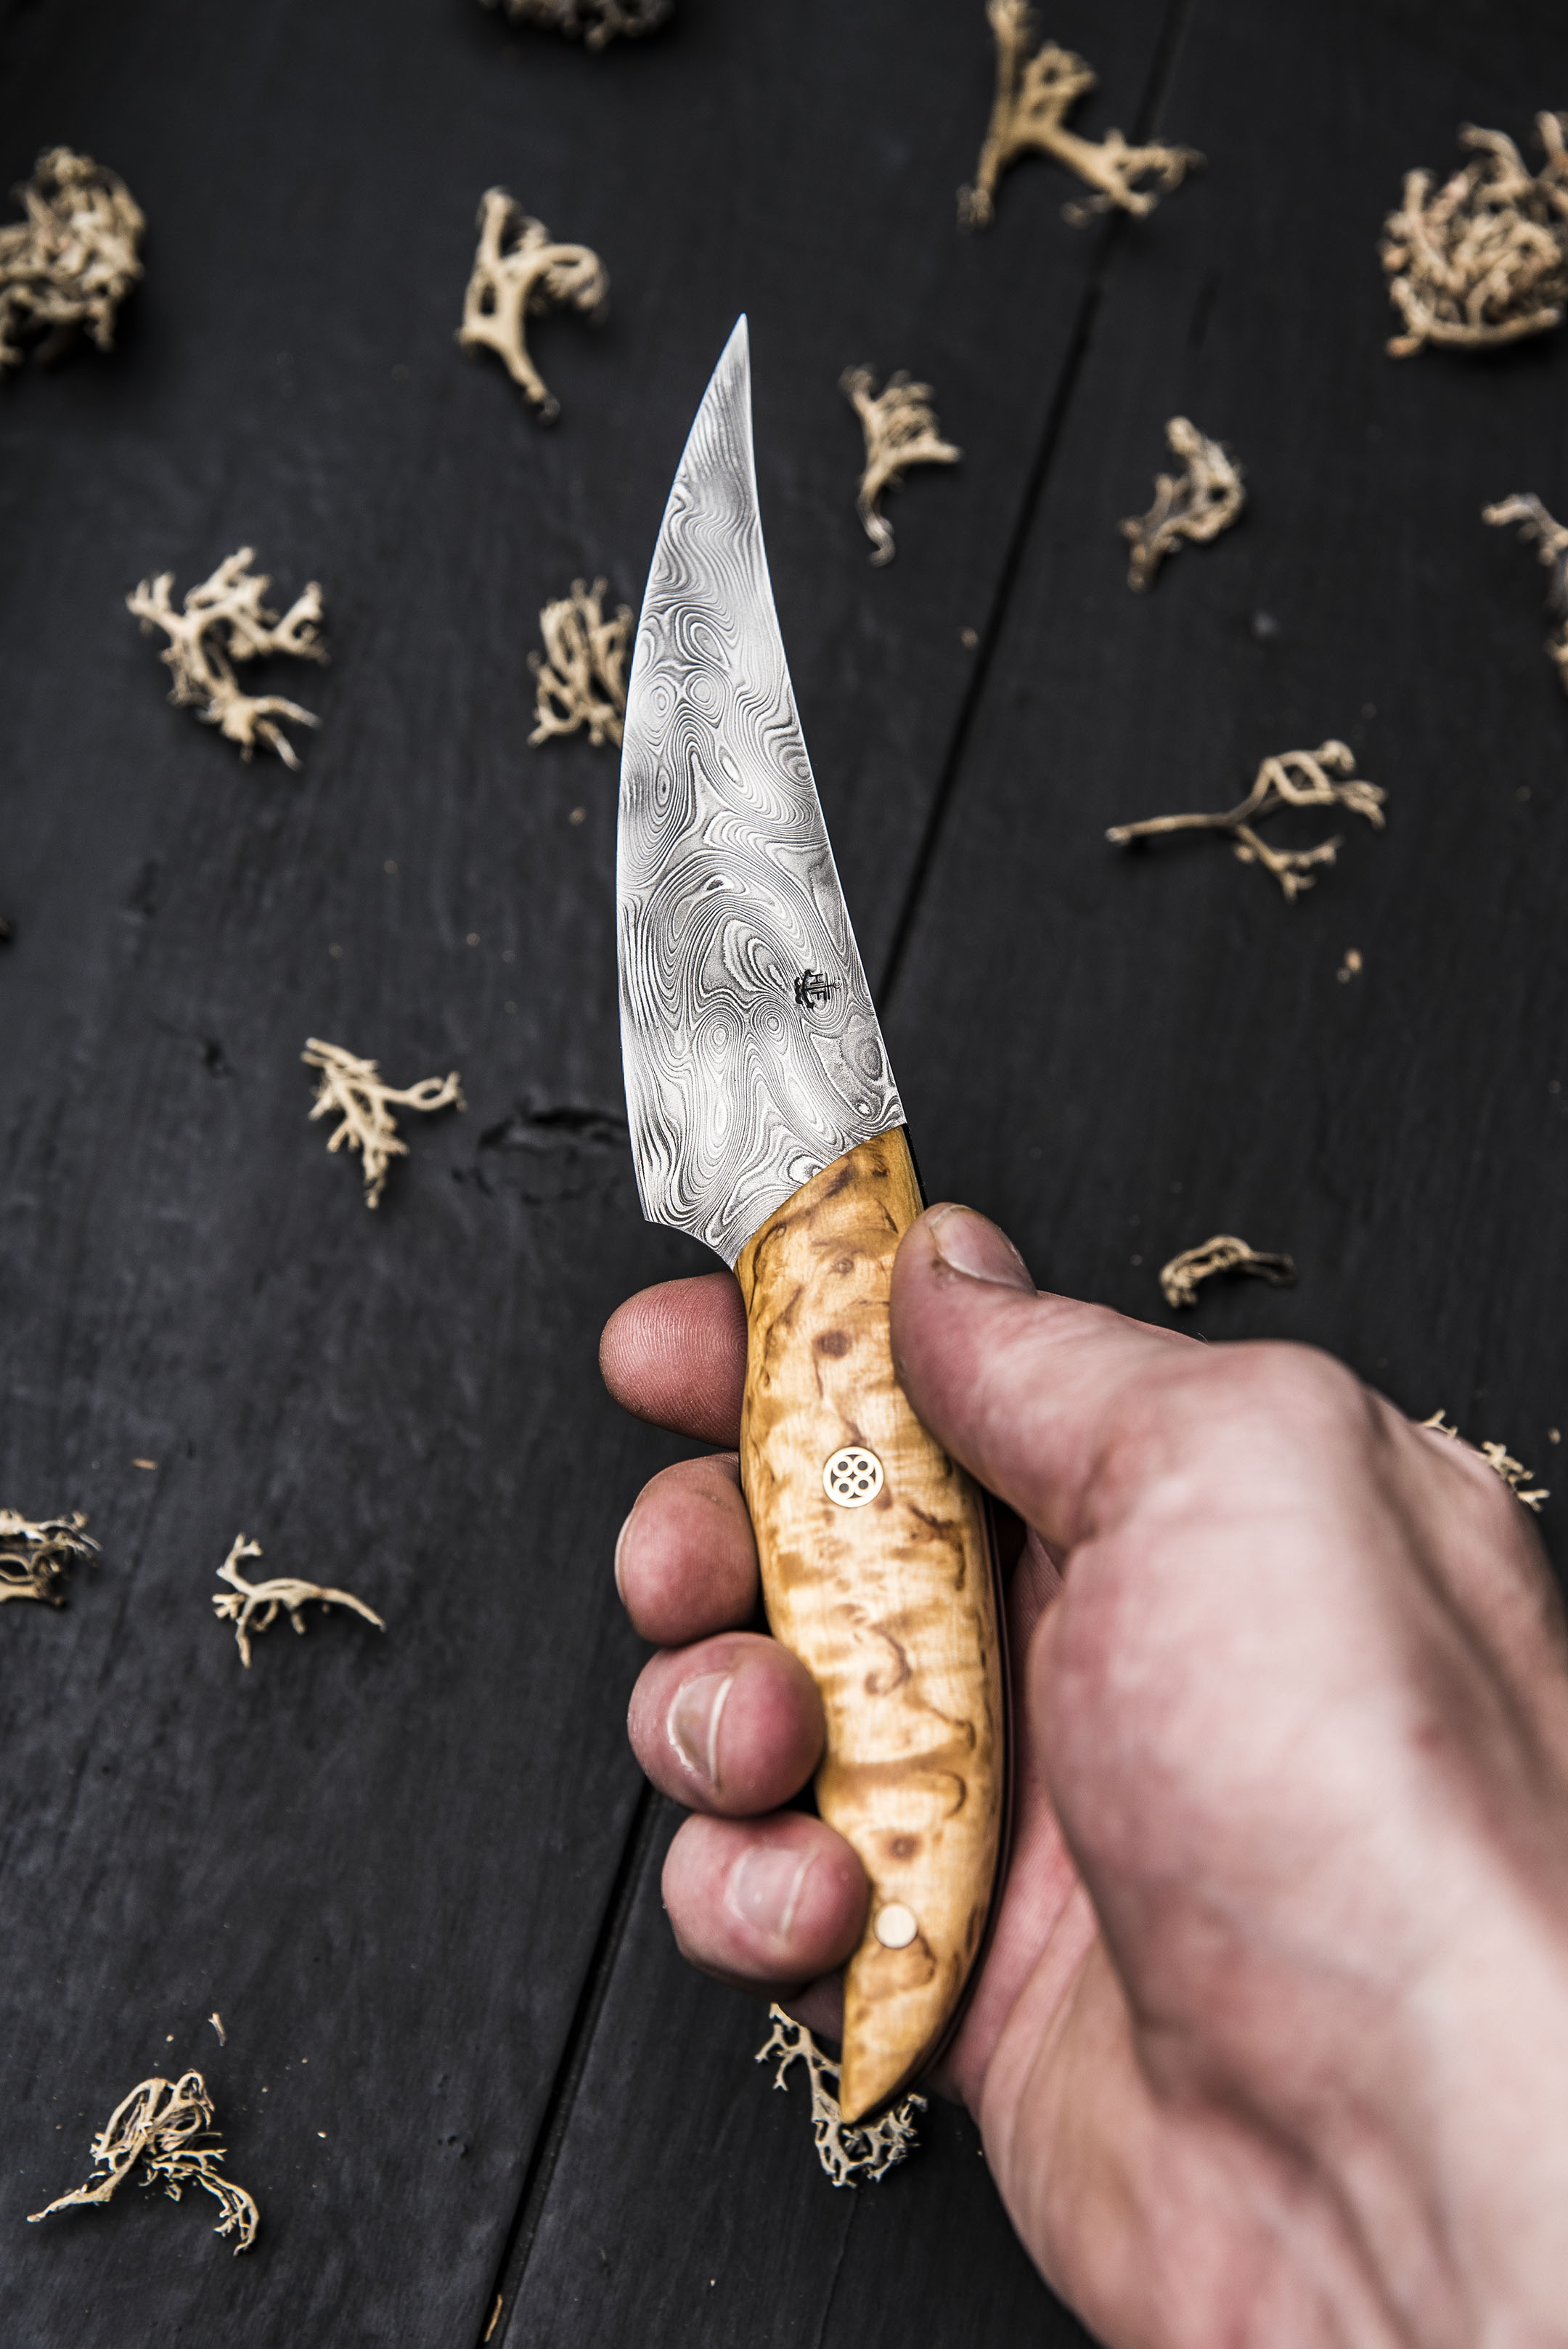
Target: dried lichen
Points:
(519, 272)
(252, 1606)
(1483, 259)
(353, 1088)
(1297, 779)
(36, 1554)
(1498, 1458)
(1550, 539)
(1205, 498)
(593, 22)
(901, 429)
(157, 2126)
(581, 673)
(850, 2155)
(1180, 1278)
(74, 259)
(223, 623)
(1035, 94)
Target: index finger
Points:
(676, 1354)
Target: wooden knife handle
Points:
(877, 1572)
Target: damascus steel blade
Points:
(752, 1051)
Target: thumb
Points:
(1026, 1388)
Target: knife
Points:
(765, 1121)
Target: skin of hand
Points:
(1270, 2044)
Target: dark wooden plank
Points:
(687, 2204)
(387, 1864)
(1168, 1051)
(1118, 1055)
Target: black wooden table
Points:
(417, 1874)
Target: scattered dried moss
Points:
(157, 2125)
(1296, 779)
(850, 2155)
(901, 429)
(1035, 94)
(1483, 259)
(581, 673)
(72, 262)
(1182, 1278)
(1550, 539)
(224, 623)
(36, 1554)
(593, 22)
(353, 1088)
(1205, 498)
(520, 271)
(1498, 1458)
(253, 1607)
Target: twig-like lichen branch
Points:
(519, 272)
(35, 1554)
(74, 259)
(594, 22)
(1550, 539)
(1034, 95)
(1483, 259)
(581, 673)
(901, 429)
(224, 621)
(252, 1606)
(1296, 779)
(353, 1088)
(1498, 1457)
(847, 2155)
(157, 2125)
(1205, 498)
(1180, 1278)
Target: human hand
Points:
(1269, 2041)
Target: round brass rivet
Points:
(895, 1926)
(853, 1477)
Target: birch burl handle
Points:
(877, 1570)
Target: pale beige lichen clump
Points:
(353, 1090)
(1182, 1278)
(519, 272)
(1205, 498)
(74, 259)
(593, 22)
(1501, 1462)
(581, 674)
(157, 2126)
(37, 1553)
(850, 2155)
(1035, 94)
(900, 429)
(224, 623)
(1483, 259)
(1551, 540)
(1295, 779)
(253, 1607)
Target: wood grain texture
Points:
(890, 1604)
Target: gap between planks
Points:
(556, 2117)
(1162, 68)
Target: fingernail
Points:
(765, 1885)
(619, 1546)
(973, 1246)
(693, 1723)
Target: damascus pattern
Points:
(752, 1051)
